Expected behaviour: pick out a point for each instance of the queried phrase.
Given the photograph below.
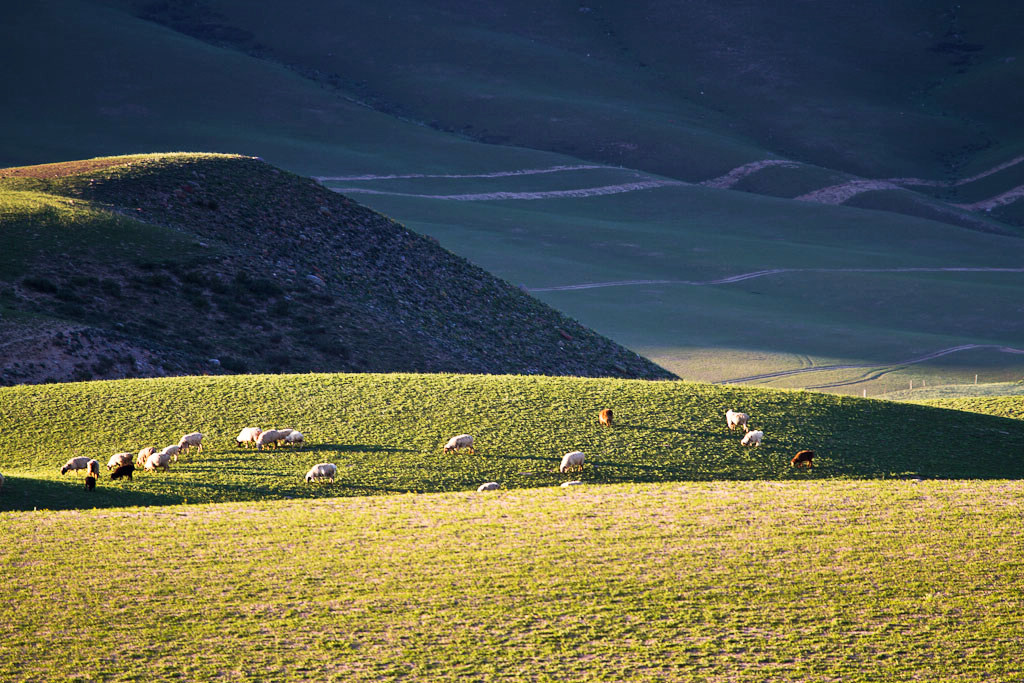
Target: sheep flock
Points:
(123, 464)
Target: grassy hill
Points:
(385, 433)
(739, 581)
(825, 137)
(152, 265)
(1001, 406)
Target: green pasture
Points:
(385, 433)
(1001, 406)
(712, 581)
(832, 316)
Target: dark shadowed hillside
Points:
(184, 264)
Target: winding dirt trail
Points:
(740, 172)
(495, 174)
(550, 194)
(865, 366)
(771, 271)
(833, 194)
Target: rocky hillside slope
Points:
(183, 264)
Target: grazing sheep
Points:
(752, 438)
(457, 442)
(605, 417)
(144, 455)
(574, 482)
(118, 459)
(489, 486)
(267, 438)
(171, 452)
(161, 459)
(248, 435)
(572, 461)
(123, 471)
(90, 483)
(75, 464)
(92, 468)
(294, 438)
(193, 440)
(802, 459)
(734, 420)
(284, 432)
(325, 470)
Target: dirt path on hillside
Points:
(833, 194)
(772, 271)
(495, 174)
(550, 194)
(865, 366)
(740, 172)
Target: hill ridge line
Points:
(772, 271)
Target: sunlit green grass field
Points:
(385, 433)
(713, 581)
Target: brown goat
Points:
(605, 417)
(802, 459)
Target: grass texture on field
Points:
(713, 581)
(385, 433)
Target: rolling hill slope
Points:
(189, 264)
(822, 120)
(385, 433)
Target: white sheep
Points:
(325, 470)
(294, 437)
(118, 459)
(460, 441)
(144, 454)
(572, 461)
(271, 436)
(574, 482)
(171, 451)
(160, 459)
(752, 438)
(75, 464)
(193, 440)
(92, 469)
(284, 432)
(248, 435)
(489, 486)
(734, 420)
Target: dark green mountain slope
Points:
(182, 264)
